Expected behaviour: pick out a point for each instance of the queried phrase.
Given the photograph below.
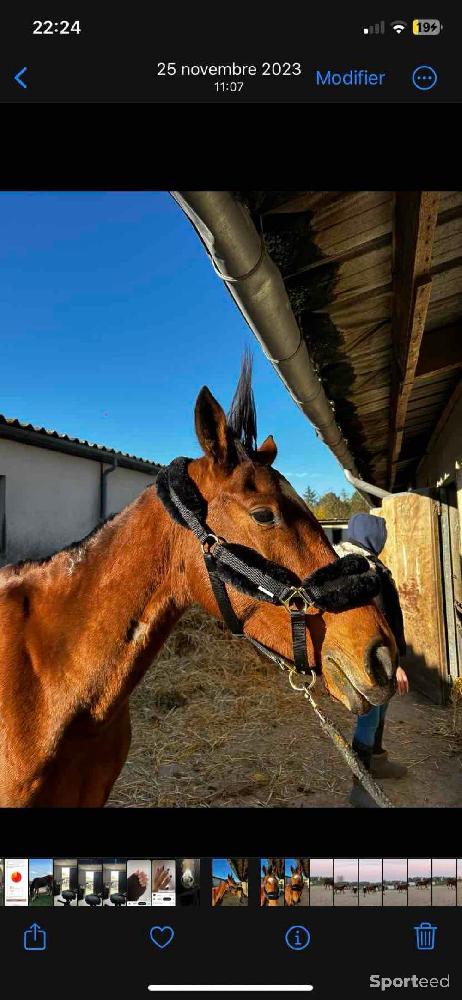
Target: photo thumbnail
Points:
(346, 874)
(114, 882)
(16, 881)
(272, 882)
(65, 882)
(419, 881)
(163, 883)
(40, 882)
(321, 881)
(230, 885)
(139, 883)
(297, 882)
(444, 881)
(90, 872)
(370, 881)
(188, 886)
(394, 882)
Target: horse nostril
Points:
(380, 662)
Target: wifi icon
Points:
(398, 26)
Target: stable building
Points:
(356, 299)
(55, 489)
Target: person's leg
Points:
(380, 764)
(363, 745)
(364, 736)
(378, 748)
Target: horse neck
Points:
(109, 605)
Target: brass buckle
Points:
(297, 600)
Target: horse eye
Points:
(264, 515)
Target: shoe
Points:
(383, 767)
(359, 798)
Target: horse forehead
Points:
(248, 476)
(288, 491)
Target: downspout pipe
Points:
(366, 488)
(103, 490)
(239, 257)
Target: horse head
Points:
(249, 503)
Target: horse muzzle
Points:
(374, 687)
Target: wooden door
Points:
(412, 553)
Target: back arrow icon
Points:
(18, 77)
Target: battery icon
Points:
(429, 26)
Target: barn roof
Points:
(374, 279)
(42, 437)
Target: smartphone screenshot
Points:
(230, 547)
(360, 53)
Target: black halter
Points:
(341, 585)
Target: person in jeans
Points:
(367, 535)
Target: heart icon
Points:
(161, 936)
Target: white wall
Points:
(123, 485)
(53, 499)
(445, 456)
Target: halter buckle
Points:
(209, 542)
(297, 600)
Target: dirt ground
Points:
(371, 898)
(321, 895)
(419, 897)
(443, 896)
(346, 898)
(214, 724)
(391, 897)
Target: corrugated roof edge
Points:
(14, 429)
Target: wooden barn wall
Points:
(412, 553)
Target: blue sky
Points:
(112, 319)
(39, 867)
(221, 868)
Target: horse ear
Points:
(212, 430)
(266, 453)
(264, 870)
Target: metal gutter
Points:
(239, 257)
(38, 440)
(366, 488)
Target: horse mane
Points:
(80, 543)
(242, 415)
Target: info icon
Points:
(298, 937)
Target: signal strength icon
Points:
(375, 29)
(398, 26)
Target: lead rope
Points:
(339, 741)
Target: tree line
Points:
(330, 505)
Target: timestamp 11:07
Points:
(228, 87)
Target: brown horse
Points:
(294, 886)
(270, 888)
(79, 630)
(227, 885)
